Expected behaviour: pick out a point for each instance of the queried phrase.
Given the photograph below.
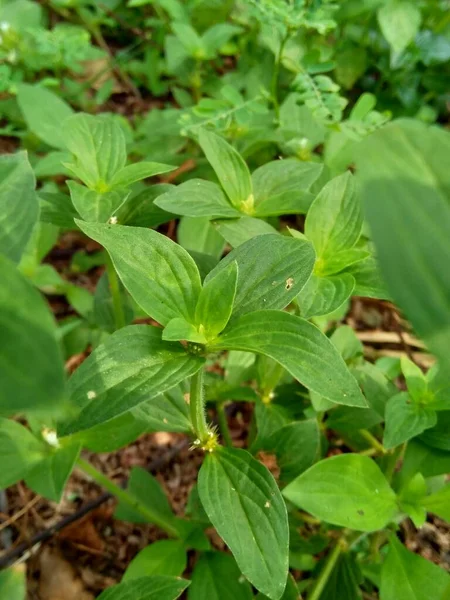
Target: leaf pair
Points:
(280, 187)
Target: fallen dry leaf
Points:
(58, 580)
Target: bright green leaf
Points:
(439, 503)
(156, 587)
(215, 303)
(399, 23)
(323, 295)
(165, 557)
(216, 576)
(138, 171)
(20, 452)
(179, 329)
(405, 419)
(347, 490)
(13, 583)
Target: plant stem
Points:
(223, 424)
(127, 498)
(114, 286)
(378, 446)
(276, 73)
(326, 572)
(197, 407)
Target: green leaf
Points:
(20, 452)
(19, 209)
(32, 370)
(57, 209)
(140, 209)
(146, 489)
(230, 168)
(49, 477)
(334, 221)
(324, 295)
(179, 329)
(296, 446)
(399, 22)
(197, 198)
(217, 36)
(216, 300)
(439, 503)
(282, 187)
(405, 419)
(165, 557)
(437, 436)
(411, 499)
(192, 42)
(368, 279)
(244, 504)
(290, 593)
(347, 490)
(415, 379)
(156, 587)
(300, 347)
(44, 113)
(344, 581)
(93, 206)
(238, 231)
(406, 189)
(133, 366)
(408, 576)
(272, 271)
(13, 583)
(216, 576)
(159, 274)
(138, 171)
(168, 413)
(198, 235)
(99, 148)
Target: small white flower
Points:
(113, 220)
(91, 394)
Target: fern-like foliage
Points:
(321, 95)
(295, 14)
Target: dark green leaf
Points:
(324, 295)
(159, 274)
(238, 231)
(405, 419)
(272, 271)
(217, 577)
(300, 347)
(134, 366)
(244, 504)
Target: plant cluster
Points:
(293, 194)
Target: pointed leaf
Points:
(347, 490)
(244, 504)
(19, 208)
(399, 23)
(405, 420)
(138, 171)
(133, 366)
(20, 451)
(165, 557)
(281, 187)
(216, 576)
(197, 198)
(238, 231)
(408, 576)
(439, 503)
(179, 329)
(230, 168)
(156, 587)
(300, 347)
(272, 271)
(323, 295)
(44, 112)
(215, 303)
(94, 206)
(159, 274)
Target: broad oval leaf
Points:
(155, 587)
(323, 295)
(159, 274)
(244, 504)
(347, 490)
(238, 231)
(272, 271)
(216, 576)
(197, 198)
(300, 347)
(230, 168)
(19, 208)
(281, 187)
(399, 22)
(32, 370)
(405, 419)
(134, 366)
(216, 300)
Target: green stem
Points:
(114, 286)
(127, 498)
(223, 424)
(276, 73)
(326, 572)
(197, 407)
(378, 446)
